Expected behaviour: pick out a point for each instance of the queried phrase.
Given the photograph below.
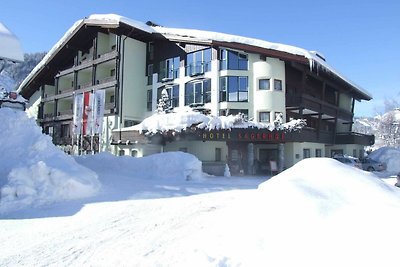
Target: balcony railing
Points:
(105, 80)
(355, 138)
(318, 105)
(198, 68)
(308, 134)
(65, 90)
(84, 85)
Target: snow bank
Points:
(170, 165)
(32, 170)
(389, 155)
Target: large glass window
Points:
(173, 94)
(169, 69)
(198, 62)
(198, 92)
(234, 89)
(232, 60)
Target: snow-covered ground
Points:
(162, 211)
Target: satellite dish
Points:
(10, 47)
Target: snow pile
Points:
(175, 166)
(389, 155)
(32, 170)
(184, 119)
(324, 213)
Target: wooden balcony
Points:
(308, 134)
(317, 105)
(65, 114)
(355, 138)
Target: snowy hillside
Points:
(385, 127)
(163, 211)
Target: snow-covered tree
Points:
(163, 105)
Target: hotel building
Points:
(131, 63)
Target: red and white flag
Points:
(87, 113)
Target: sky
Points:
(360, 39)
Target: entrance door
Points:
(265, 156)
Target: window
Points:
(226, 112)
(232, 60)
(150, 74)
(198, 92)
(173, 94)
(134, 153)
(121, 152)
(218, 154)
(264, 116)
(65, 132)
(318, 152)
(112, 73)
(149, 100)
(306, 153)
(233, 89)
(129, 123)
(169, 69)
(264, 84)
(277, 85)
(198, 62)
(150, 50)
(355, 153)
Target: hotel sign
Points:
(243, 135)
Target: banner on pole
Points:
(78, 114)
(87, 113)
(98, 111)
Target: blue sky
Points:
(361, 39)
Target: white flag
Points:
(98, 111)
(78, 114)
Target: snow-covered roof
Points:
(10, 47)
(114, 21)
(185, 118)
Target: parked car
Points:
(371, 165)
(348, 160)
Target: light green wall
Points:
(291, 149)
(134, 79)
(345, 101)
(347, 149)
(204, 151)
